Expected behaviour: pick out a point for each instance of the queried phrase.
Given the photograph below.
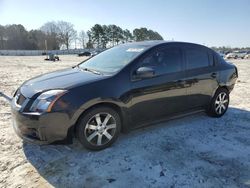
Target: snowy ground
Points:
(195, 151)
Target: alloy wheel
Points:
(100, 129)
(221, 103)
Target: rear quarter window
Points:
(197, 58)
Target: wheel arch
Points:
(120, 110)
(209, 109)
(219, 87)
(223, 86)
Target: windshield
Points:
(114, 59)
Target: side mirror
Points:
(145, 72)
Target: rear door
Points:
(201, 75)
(165, 93)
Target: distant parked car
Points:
(85, 54)
(231, 56)
(93, 53)
(123, 88)
(241, 55)
(235, 55)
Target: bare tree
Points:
(66, 33)
(51, 30)
(50, 27)
(82, 38)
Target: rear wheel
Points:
(99, 128)
(219, 103)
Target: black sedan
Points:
(123, 88)
(84, 54)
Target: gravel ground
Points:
(195, 151)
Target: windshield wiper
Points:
(91, 70)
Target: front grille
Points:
(20, 99)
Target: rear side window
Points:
(197, 58)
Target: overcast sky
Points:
(209, 22)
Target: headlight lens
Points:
(46, 100)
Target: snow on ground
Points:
(195, 151)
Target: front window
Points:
(164, 60)
(114, 59)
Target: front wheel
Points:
(219, 103)
(99, 128)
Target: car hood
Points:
(63, 79)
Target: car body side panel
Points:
(113, 90)
(201, 86)
(203, 81)
(228, 75)
(152, 101)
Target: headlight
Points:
(46, 100)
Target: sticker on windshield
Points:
(135, 49)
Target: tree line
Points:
(62, 35)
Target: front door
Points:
(163, 94)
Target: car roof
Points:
(153, 43)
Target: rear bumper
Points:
(40, 128)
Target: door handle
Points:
(214, 75)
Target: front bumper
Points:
(26, 136)
(39, 128)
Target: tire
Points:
(219, 103)
(99, 128)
